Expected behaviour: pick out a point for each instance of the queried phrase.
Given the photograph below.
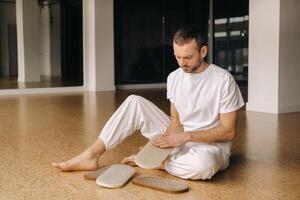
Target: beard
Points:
(191, 69)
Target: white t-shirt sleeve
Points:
(231, 97)
(170, 92)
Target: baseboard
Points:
(142, 86)
(269, 108)
(103, 88)
(289, 108)
(266, 108)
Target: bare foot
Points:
(82, 162)
(88, 160)
(129, 160)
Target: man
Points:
(204, 108)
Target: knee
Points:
(206, 167)
(203, 167)
(131, 99)
(134, 98)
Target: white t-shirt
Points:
(200, 98)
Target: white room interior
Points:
(43, 125)
(273, 42)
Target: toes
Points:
(129, 159)
(61, 166)
(55, 165)
(125, 161)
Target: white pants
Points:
(190, 161)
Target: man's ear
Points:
(203, 51)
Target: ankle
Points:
(95, 153)
(95, 150)
(91, 154)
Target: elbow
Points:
(230, 135)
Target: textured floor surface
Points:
(36, 130)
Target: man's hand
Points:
(170, 139)
(174, 135)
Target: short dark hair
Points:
(187, 33)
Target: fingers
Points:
(166, 134)
(162, 144)
(159, 139)
(163, 141)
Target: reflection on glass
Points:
(40, 43)
(231, 37)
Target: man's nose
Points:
(181, 62)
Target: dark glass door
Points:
(71, 41)
(138, 41)
(143, 37)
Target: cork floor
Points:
(36, 130)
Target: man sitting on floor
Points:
(204, 99)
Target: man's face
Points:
(188, 56)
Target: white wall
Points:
(28, 15)
(7, 16)
(289, 55)
(263, 55)
(89, 58)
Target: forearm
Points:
(174, 128)
(217, 134)
(175, 125)
(223, 133)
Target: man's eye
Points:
(185, 58)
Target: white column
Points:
(263, 55)
(20, 40)
(274, 56)
(28, 36)
(99, 45)
(104, 45)
(89, 58)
